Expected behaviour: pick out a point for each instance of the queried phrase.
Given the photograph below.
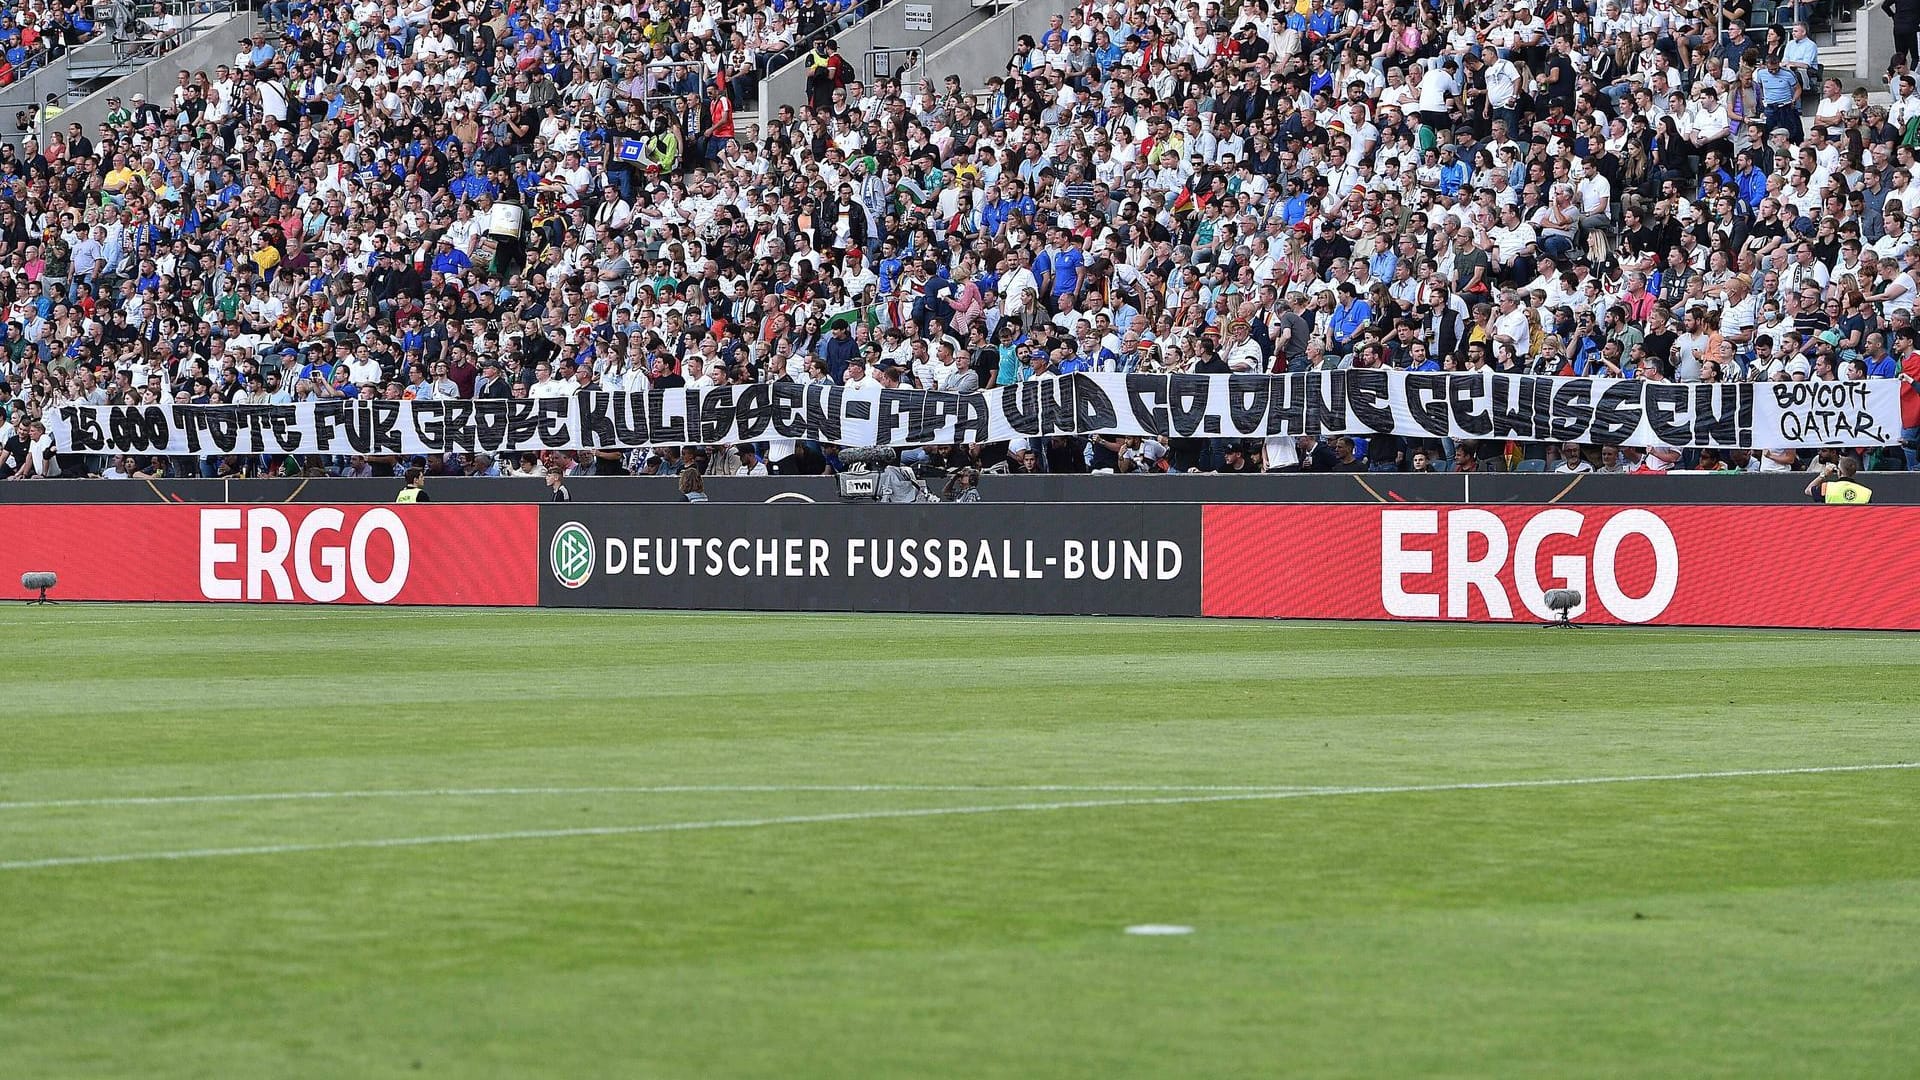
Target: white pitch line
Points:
(298, 612)
(671, 789)
(927, 812)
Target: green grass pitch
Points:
(550, 844)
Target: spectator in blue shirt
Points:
(1880, 365)
(1058, 267)
(1454, 174)
(1752, 182)
(1383, 263)
(1780, 97)
(1350, 316)
(450, 259)
(1294, 210)
(889, 267)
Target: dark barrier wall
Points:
(1433, 488)
(630, 489)
(1099, 559)
(1888, 489)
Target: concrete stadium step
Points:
(91, 70)
(1843, 52)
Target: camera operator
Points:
(962, 487)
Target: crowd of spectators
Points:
(448, 198)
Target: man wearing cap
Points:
(142, 112)
(858, 379)
(1244, 355)
(492, 384)
(449, 259)
(840, 351)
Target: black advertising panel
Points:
(1225, 488)
(1097, 559)
(440, 489)
(1323, 488)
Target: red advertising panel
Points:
(1806, 566)
(287, 553)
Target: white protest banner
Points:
(1359, 401)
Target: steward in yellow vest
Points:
(416, 489)
(1836, 486)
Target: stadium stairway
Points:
(982, 51)
(1840, 57)
(140, 39)
(139, 52)
(201, 37)
(889, 41)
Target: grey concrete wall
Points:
(28, 93)
(983, 51)
(884, 29)
(209, 49)
(1874, 28)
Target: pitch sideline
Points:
(660, 789)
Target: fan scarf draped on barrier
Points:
(1360, 402)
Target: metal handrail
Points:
(37, 57)
(803, 40)
(151, 46)
(134, 53)
(967, 14)
(657, 96)
(880, 63)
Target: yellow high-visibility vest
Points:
(1846, 493)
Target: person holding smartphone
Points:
(1835, 485)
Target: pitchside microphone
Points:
(868, 455)
(1563, 601)
(41, 580)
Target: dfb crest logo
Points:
(571, 555)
